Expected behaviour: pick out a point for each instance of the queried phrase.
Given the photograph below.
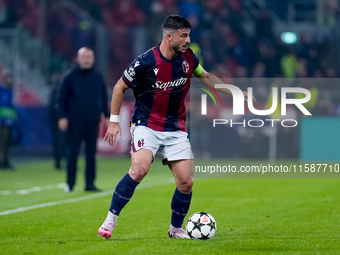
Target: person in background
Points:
(8, 117)
(81, 102)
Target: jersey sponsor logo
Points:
(127, 76)
(137, 63)
(156, 70)
(165, 85)
(131, 71)
(185, 66)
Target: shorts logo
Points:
(131, 71)
(141, 143)
(185, 66)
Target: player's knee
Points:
(185, 186)
(138, 172)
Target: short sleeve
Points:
(135, 72)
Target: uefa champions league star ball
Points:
(201, 225)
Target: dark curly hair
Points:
(175, 22)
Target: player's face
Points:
(180, 40)
(85, 59)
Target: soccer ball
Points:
(201, 225)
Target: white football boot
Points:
(177, 233)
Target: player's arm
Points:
(131, 78)
(63, 94)
(210, 80)
(117, 98)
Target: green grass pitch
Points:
(253, 215)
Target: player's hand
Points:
(63, 124)
(111, 134)
(245, 94)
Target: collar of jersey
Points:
(165, 59)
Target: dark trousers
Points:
(78, 132)
(5, 143)
(59, 144)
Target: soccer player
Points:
(160, 79)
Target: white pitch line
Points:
(78, 199)
(32, 189)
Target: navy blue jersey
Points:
(160, 86)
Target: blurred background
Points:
(233, 38)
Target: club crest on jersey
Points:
(185, 66)
(141, 142)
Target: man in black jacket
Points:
(82, 100)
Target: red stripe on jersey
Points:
(182, 112)
(158, 114)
